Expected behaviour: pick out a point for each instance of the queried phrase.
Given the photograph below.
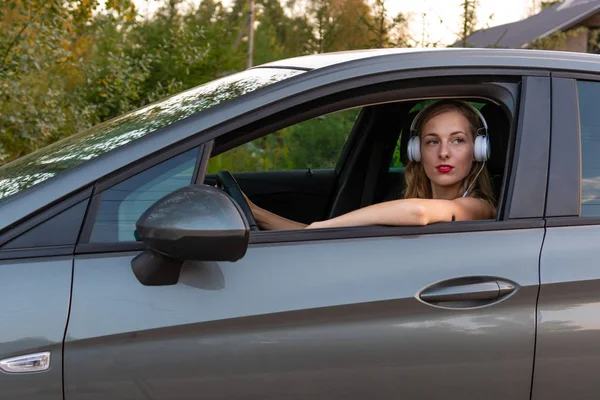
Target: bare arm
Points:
(412, 212)
(395, 213)
(270, 221)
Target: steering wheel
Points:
(227, 183)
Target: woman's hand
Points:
(267, 220)
(253, 207)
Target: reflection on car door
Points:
(567, 352)
(34, 311)
(303, 319)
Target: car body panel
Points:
(567, 351)
(561, 60)
(34, 312)
(527, 194)
(306, 319)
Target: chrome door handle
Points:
(463, 290)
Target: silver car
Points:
(131, 268)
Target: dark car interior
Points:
(363, 174)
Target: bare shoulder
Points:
(470, 208)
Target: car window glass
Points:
(312, 144)
(67, 154)
(589, 120)
(124, 203)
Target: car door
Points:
(567, 352)
(36, 268)
(369, 312)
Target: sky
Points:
(440, 18)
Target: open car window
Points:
(293, 170)
(376, 158)
(310, 145)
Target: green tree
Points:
(41, 73)
(546, 4)
(312, 144)
(66, 66)
(468, 20)
(339, 25)
(386, 31)
(277, 34)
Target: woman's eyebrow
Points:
(452, 133)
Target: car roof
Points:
(314, 61)
(551, 59)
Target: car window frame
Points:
(38, 219)
(301, 109)
(564, 186)
(515, 218)
(84, 245)
(99, 231)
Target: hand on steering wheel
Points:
(227, 183)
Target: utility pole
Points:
(250, 34)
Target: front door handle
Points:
(463, 290)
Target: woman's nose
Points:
(443, 150)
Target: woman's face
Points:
(447, 151)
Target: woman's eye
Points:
(459, 140)
(432, 141)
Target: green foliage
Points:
(546, 4)
(66, 65)
(557, 40)
(278, 35)
(385, 31)
(468, 20)
(312, 144)
(44, 71)
(594, 41)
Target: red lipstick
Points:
(444, 168)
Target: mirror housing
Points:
(196, 222)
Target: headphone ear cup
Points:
(414, 149)
(482, 148)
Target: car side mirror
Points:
(196, 222)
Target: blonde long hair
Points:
(418, 185)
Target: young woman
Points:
(446, 178)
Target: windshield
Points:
(102, 138)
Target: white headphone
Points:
(482, 142)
